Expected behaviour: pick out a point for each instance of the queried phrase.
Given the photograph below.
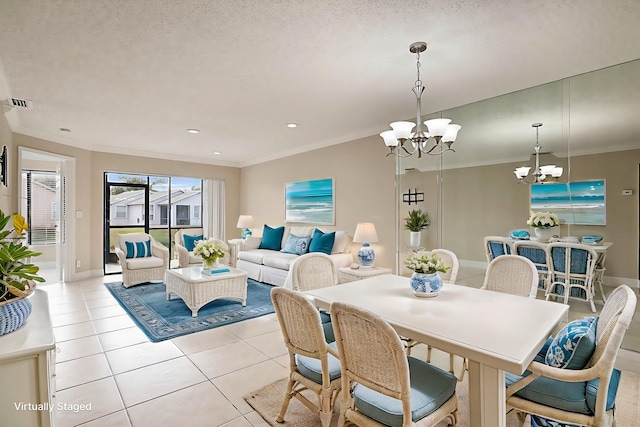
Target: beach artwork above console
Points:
(580, 202)
(310, 202)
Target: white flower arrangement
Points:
(543, 220)
(425, 262)
(209, 250)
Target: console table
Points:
(27, 361)
(348, 274)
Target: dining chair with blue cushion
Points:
(381, 384)
(495, 246)
(572, 379)
(576, 281)
(538, 253)
(313, 364)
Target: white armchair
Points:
(186, 256)
(144, 267)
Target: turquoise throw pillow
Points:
(574, 344)
(322, 242)
(271, 238)
(296, 245)
(190, 241)
(138, 249)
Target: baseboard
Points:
(615, 281)
(474, 264)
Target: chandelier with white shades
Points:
(440, 130)
(541, 174)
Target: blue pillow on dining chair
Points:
(573, 345)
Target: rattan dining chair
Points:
(538, 253)
(381, 385)
(581, 260)
(313, 364)
(495, 246)
(547, 390)
(312, 271)
(509, 274)
(512, 274)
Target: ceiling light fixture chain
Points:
(541, 174)
(443, 133)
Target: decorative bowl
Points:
(425, 285)
(519, 234)
(591, 239)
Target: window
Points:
(183, 215)
(41, 207)
(121, 211)
(152, 212)
(196, 211)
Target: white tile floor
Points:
(104, 360)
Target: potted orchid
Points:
(425, 280)
(543, 224)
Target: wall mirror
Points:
(589, 126)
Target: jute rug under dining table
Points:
(267, 402)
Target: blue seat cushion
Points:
(574, 397)
(573, 345)
(431, 387)
(190, 241)
(327, 327)
(311, 368)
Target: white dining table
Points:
(496, 332)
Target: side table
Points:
(348, 274)
(235, 246)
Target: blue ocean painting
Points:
(581, 202)
(310, 201)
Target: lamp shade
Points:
(245, 221)
(365, 232)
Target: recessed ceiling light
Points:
(65, 130)
(217, 153)
(292, 125)
(193, 130)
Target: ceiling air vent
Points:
(22, 103)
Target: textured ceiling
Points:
(130, 76)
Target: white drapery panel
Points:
(214, 208)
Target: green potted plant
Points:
(416, 221)
(17, 274)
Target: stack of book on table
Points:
(215, 271)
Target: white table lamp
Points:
(245, 222)
(365, 234)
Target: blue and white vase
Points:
(424, 284)
(366, 256)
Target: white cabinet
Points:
(26, 369)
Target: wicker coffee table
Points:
(197, 289)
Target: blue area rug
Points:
(161, 320)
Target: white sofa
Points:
(272, 266)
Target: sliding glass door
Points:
(157, 205)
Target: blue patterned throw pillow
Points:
(296, 245)
(574, 344)
(138, 249)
